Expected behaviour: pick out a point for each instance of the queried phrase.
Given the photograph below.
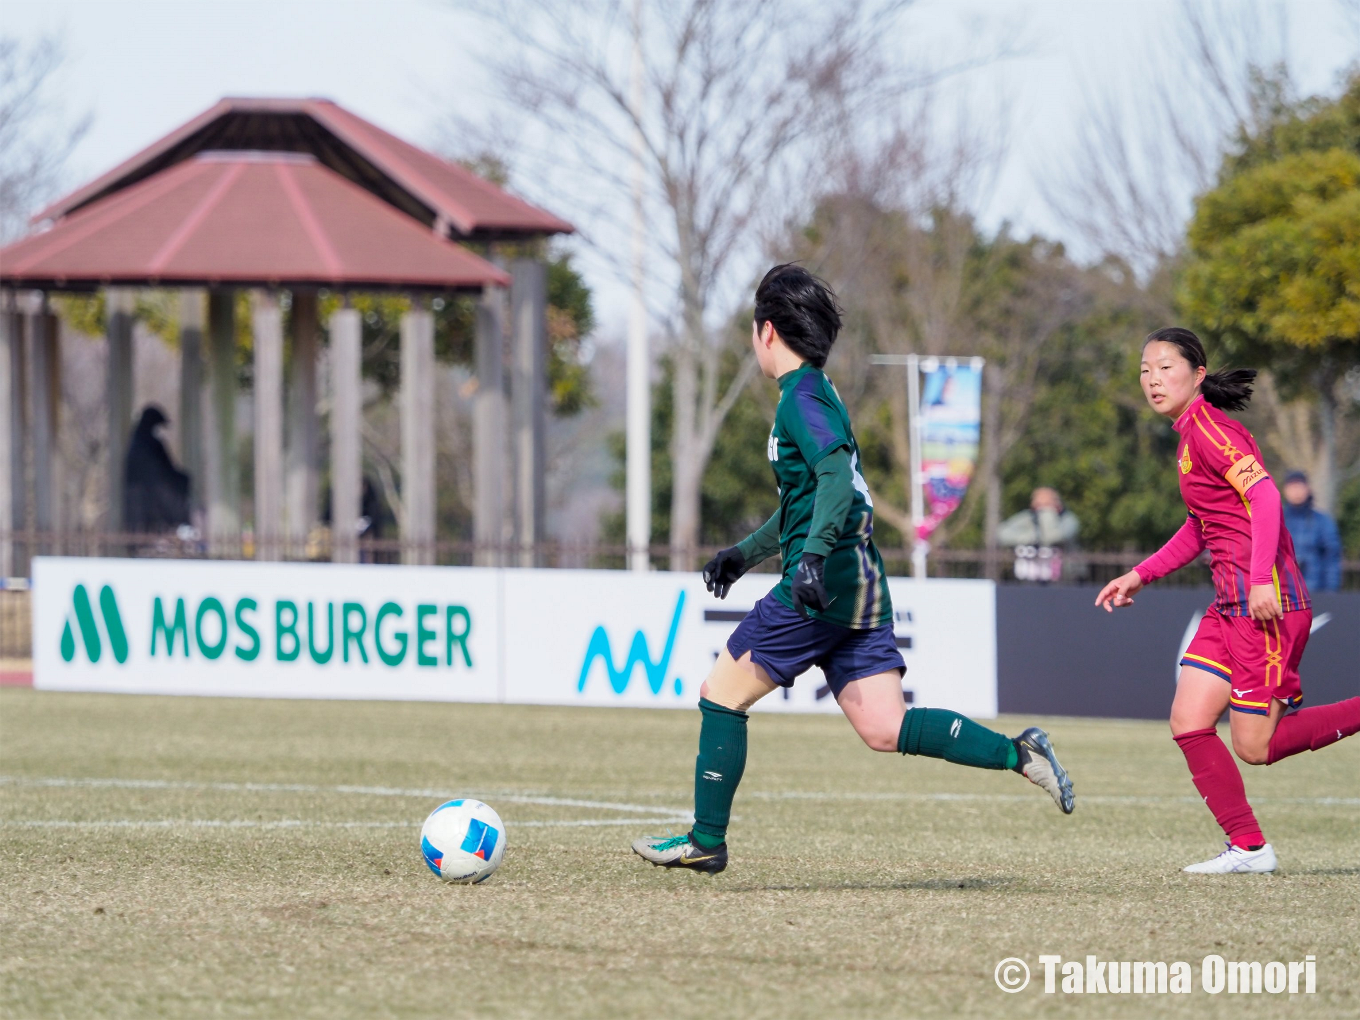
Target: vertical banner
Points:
(950, 429)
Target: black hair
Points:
(803, 310)
(1229, 389)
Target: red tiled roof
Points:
(258, 219)
(419, 183)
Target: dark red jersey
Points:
(1219, 462)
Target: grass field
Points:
(200, 857)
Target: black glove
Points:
(809, 587)
(722, 571)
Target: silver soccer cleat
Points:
(1039, 764)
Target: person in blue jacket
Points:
(1317, 543)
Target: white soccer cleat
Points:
(1235, 860)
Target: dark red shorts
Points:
(1260, 661)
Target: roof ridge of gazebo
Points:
(198, 222)
(440, 193)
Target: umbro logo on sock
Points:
(713, 775)
(954, 729)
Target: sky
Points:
(140, 68)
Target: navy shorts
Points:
(787, 644)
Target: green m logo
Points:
(89, 631)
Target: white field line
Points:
(367, 791)
(302, 823)
(1008, 797)
(661, 815)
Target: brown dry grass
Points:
(853, 891)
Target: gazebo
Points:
(296, 195)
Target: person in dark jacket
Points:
(1317, 543)
(156, 492)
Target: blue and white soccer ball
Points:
(463, 841)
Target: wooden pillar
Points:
(528, 391)
(267, 320)
(191, 399)
(45, 386)
(302, 448)
(417, 436)
(488, 430)
(119, 312)
(346, 414)
(223, 469)
(13, 505)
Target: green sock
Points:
(717, 771)
(940, 733)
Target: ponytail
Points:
(1229, 389)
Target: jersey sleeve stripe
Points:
(1218, 427)
(813, 412)
(1229, 451)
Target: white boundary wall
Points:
(564, 637)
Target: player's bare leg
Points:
(731, 689)
(1201, 699)
(1264, 740)
(1251, 733)
(876, 709)
(738, 683)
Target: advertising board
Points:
(567, 637)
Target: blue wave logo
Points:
(638, 653)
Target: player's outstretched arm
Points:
(1181, 549)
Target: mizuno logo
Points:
(712, 775)
(1240, 694)
(954, 729)
(89, 630)
(638, 654)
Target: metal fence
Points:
(1004, 565)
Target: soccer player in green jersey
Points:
(831, 608)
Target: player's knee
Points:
(877, 738)
(1180, 722)
(1252, 753)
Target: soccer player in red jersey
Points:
(1245, 655)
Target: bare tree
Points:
(742, 102)
(35, 138)
(895, 238)
(1145, 150)
(1220, 77)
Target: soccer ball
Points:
(463, 841)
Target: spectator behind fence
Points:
(1317, 543)
(1046, 522)
(1040, 535)
(156, 493)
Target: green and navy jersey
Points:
(810, 423)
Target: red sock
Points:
(1220, 784)
(1311, 729)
